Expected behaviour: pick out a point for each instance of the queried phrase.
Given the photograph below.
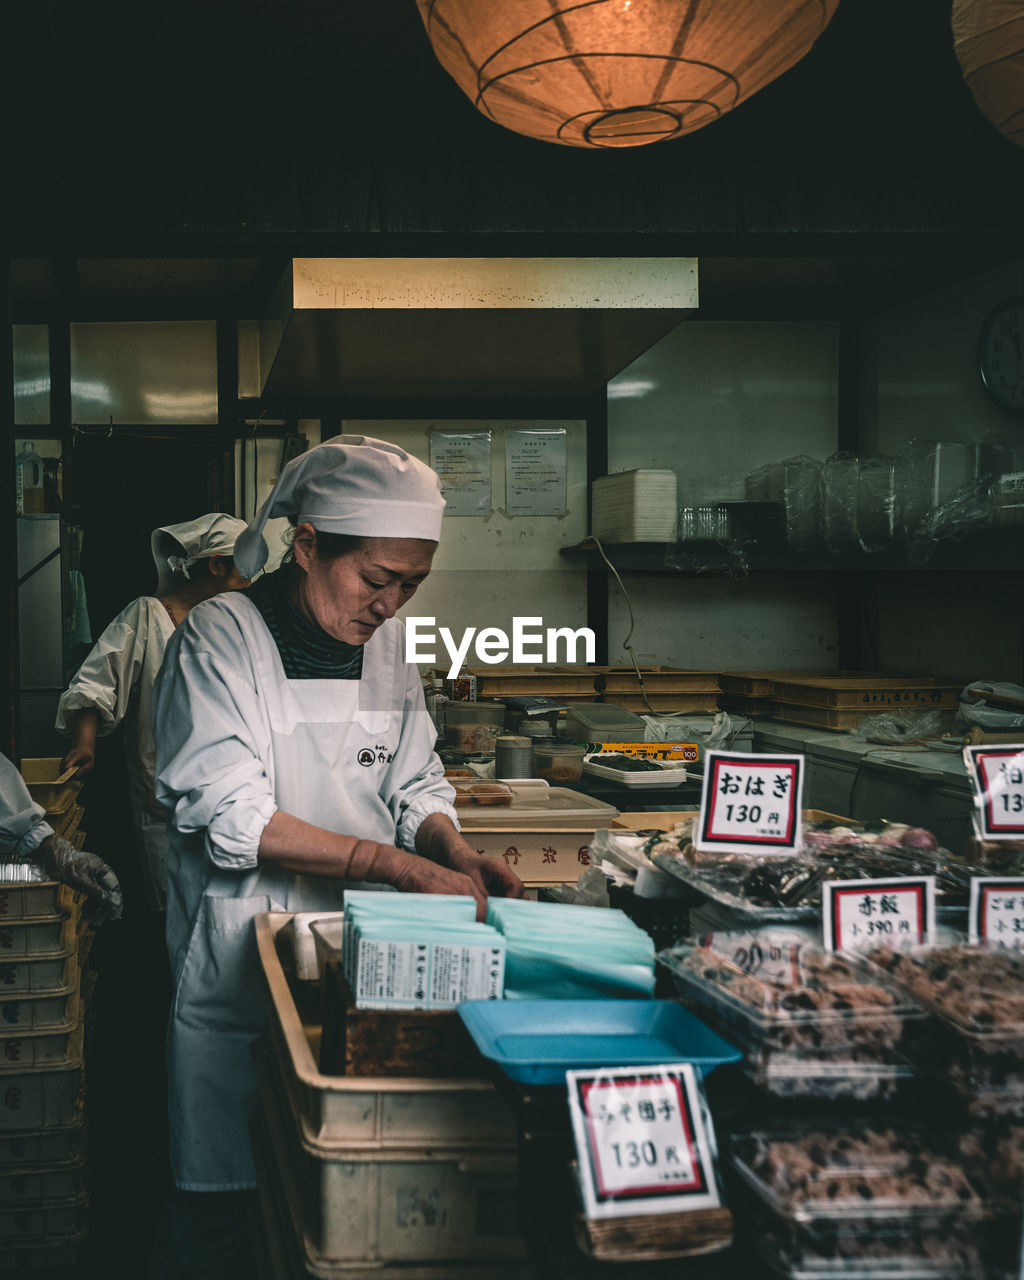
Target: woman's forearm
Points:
(298, 846)
(87, 723)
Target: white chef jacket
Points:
(116, 680)
(23, 825)
(237, 741)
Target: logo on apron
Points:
(367, 756)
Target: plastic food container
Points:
(662, 773)
(811, 1024)
(603, 722)
(558, 762)
(477, 793)
(474, 726)
(876, 1202)
(975, 1037)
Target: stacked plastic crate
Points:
(385, 1176)
(44, 946)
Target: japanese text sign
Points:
(644, 1141)
(997, 776)
(859, 914)
(750, 803)
(996, 911)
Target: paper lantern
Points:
(617, 73)
(988, 36)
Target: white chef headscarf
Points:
(178, 546)
(354, 485)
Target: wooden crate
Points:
(759, 684)
(667, 702)
(656, 680)
(864, 694)
(739, 705)
(550, 682)
(839, 719)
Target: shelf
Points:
(994, 549)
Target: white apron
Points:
(329, 741)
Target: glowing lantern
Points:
(988, 36)
(617, 73)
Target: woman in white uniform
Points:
(295, 758)
(26, 837)
(115, 682)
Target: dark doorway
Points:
(125, 486)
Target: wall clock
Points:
(1001, 353)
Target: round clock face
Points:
(1001, 353)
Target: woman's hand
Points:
(438, 840)
(80, 758)
(82, 752)
(420, 875)
(493, 875)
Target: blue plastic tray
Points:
(537, 1041)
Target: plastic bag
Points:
(990, 704)
(900, 725)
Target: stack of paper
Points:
(556, 951)
(419, 951)
(635, 506)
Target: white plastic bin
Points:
(368, 1111)
(386, 1207)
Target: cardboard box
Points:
(687, 751)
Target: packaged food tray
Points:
(870, 1203)
(666, 774)
(810, 1023)
(537, 1041)
(387, 1207)
(482, 794)
(365, 1111)
(974, 993)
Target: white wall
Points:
(491, 568)
(713, 401)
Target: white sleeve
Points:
(104, 681)
(23, 825)
(213, 739)
(414, 785)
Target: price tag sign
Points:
(750, 803)
(644, 1140)
(997, 776)
(859, 914)
(996, 911)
